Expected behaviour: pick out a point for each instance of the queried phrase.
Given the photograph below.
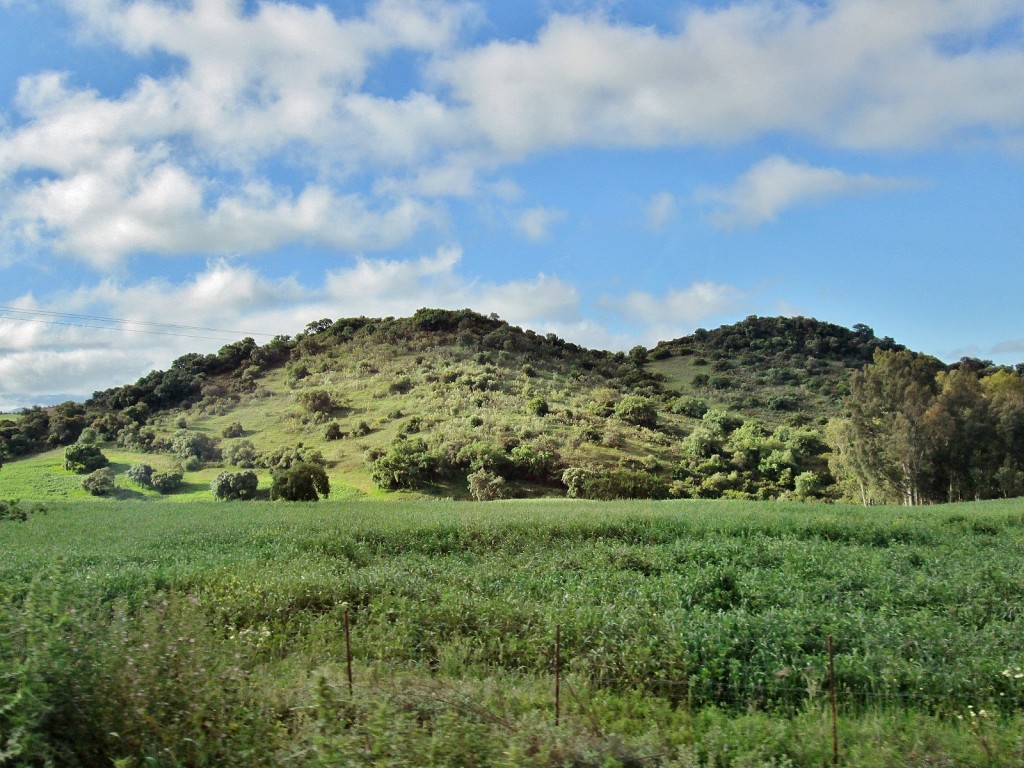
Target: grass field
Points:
(691, 634)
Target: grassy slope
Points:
(444, 372)
(454, 608)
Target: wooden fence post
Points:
(558, 674)
(832, 700)
(348, 651)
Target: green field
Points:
(691, 634)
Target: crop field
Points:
(684, 633)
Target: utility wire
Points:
(168, 329)
(111, 328)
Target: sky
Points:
(178, 174)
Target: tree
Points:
(885, 432)
(301, 482)
(235, 486)
(82, 458)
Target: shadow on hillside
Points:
(127, 494)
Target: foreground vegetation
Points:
(691, 633)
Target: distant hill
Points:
(455, 403)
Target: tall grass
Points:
(693, 633)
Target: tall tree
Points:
(886, 447)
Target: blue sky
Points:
(615, 172)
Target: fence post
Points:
(348, 651)
(832, 700)
(558, 674)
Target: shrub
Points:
(318, 401)
(693, 407)
(487, 486)
(242, 454)
(412, 426)
(624, 484)
(12, 509)
(637, 410)
(407, 464)
(100, 482)
(286, 456)
(400, 386)
(141, 475)
(333, 431)
(233, 430)
(301, 482)
(167, 482)
(230, 486)
(188, 444)
(82, 458)
(538, 406)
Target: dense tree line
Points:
(915, 431)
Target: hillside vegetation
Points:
(456, 404)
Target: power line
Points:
(161, 329)
(112, 328)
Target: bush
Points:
(231, 486)
(637, 410)
(188, 444)
(333, 431)
(614, 484)
(100, 482)
(407, 464)
(167, 482)
(242, 454)
(319, 401)
(301, 482)
(12, 509)
(487, 486)
(693, 407)
(233, 430)
(538, 406)
(82, 458)
(400, 386)
(141, 475)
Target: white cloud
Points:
(168, 165)
(661, 209)
(864, 73)
(677, 312)
(777, 183)
(50, 357)
(535, 223)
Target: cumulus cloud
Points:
(864, 73)
(676, 312)
(171, 164)
(53, 348)
(535, 223)
(176, 164)
(777, 183)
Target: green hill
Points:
(457, 404)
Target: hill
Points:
(454, 403)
